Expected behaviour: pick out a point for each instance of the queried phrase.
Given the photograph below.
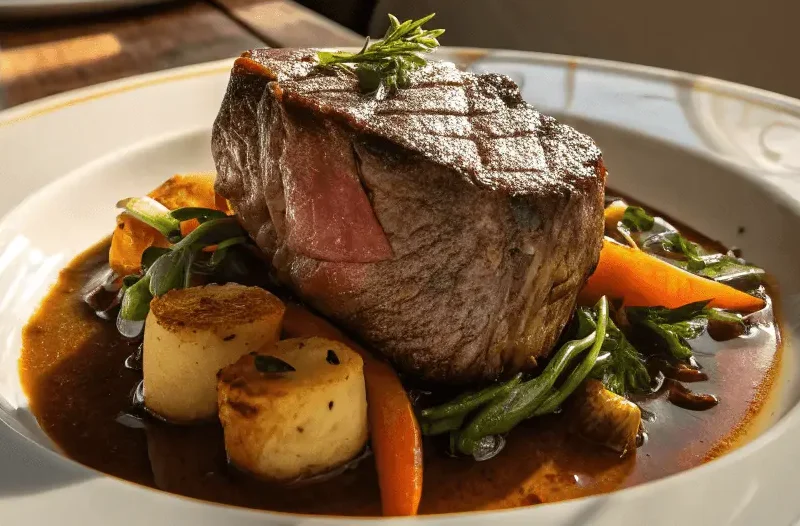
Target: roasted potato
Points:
(190, 334)
(284, 426)
(132, 237)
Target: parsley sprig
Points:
(384, 66)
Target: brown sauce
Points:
(72, 368)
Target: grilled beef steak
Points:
(449, 226)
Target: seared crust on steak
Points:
(449, 226)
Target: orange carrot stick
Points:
(396, 439)
(642, 280)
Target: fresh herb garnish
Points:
(271, 364)
(675, 327)
(637, 220)
(675, 242)
(619, 366)
(331, 358)
(384, 66)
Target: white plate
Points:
(717, 155)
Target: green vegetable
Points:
(504, 413)
(172, 268)
(441, 426)
(655, 235)
(222, 249)
(468, 402)
(201, 214)
(151, 255)
(674, 242)
(620, 366)
(728, 269)
(136, 300)
(271, 364)
(674, 327)
(153, 213)
(384, 66)
(637, 220)
(168, 272)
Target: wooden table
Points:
(40, 58)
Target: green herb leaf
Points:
(222, 250)
(637, 220)
(168, 272)
(151, 255)
(674, 242)
(620, 366)
(212, 232)
(675, 327)
(385, 65)
(729, 270)
(201, 214)
(153, 213)
(271, 364)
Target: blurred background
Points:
(50, 46)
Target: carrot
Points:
(132, 236)
(396, 438)
(643, 280)
(188, 226)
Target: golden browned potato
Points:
(190, 334)
(132, 237)
(283, 426)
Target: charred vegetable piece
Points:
(289, 415)
(522, 401)
(685, 398)
(191, 334)
(675, 327)
(605, 418)
(641, 279)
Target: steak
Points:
(449, 226)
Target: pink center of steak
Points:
(328, 215)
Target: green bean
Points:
(441, 426)
(580, 373)
(470, 401)
(504, 413)
(211, 232)
(136, 301)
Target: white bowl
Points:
(717, 155)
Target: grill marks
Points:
(440, 110)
